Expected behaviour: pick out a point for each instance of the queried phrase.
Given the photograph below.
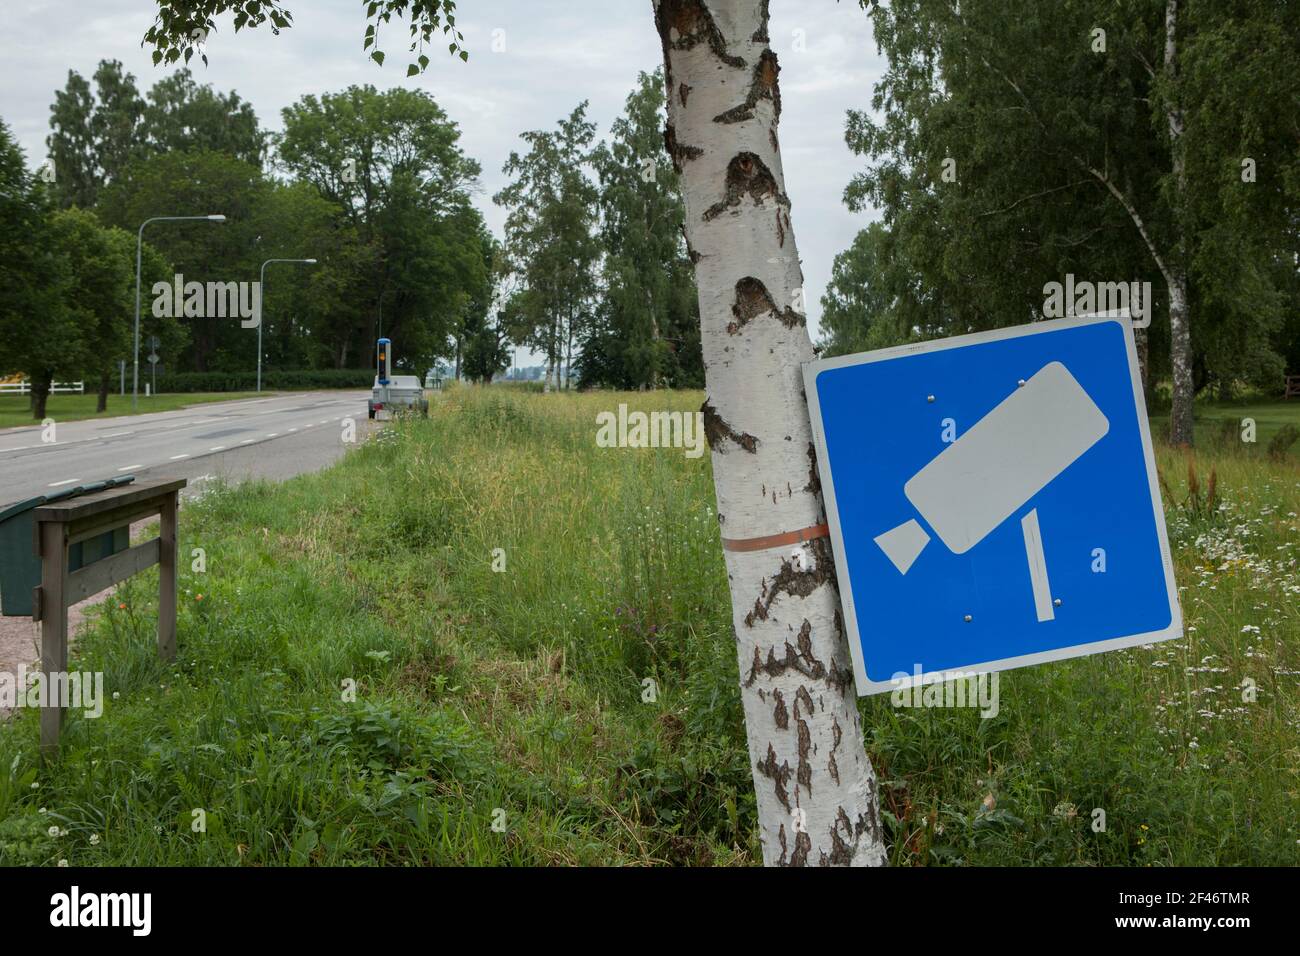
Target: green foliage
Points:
(391, 164)
(184, 115)
(646, 328)
(25, 840)
(550, 246)
(1008, 150)
(182, 26)
(98, 294)
(861, 308)
(95, 138)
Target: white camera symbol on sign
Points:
(1006, 458)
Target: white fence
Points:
(23, 388)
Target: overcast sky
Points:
(557, 53)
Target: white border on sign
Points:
(812, 369)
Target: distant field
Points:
(1215, 421)
(15, 409)
(516, 696)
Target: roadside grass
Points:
(1190, 748)
(584, 698)
(15, 410)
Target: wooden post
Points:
(54, 627)
(167, 578)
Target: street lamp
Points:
(261, 284)
(139, 246)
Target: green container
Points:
(20, 567)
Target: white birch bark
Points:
(1180, 335)
(817, 796)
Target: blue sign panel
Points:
(993, 500)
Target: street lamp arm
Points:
(261, 282)
(139, 254)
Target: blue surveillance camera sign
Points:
(992, 500)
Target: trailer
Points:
(393, 393)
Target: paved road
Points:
(274, 437)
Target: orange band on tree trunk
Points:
(777, 540)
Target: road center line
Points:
(129, 467)
(66, 481)
(178, 457)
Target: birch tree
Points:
(817, 794)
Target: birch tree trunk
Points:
(1180, 335)
(817, 797)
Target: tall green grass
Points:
(585, 698)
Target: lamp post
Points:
(139, 246)
(261, 284)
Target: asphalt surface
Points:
(273, 438)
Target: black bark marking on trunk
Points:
(717, 431)
(676, 150)
(832, 766)
(814, 479)
(794, 582)
(753, 300)
(843, 847)
(803, 697)
(760, 35)
(747, 175)
(762, 86)
(781, 716)
(802, 847)
(804, 773)
(800, 659)
(683, 91)
(778, 774)
(694, 25)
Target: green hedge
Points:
(272, 380)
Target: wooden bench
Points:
(1292, 386)
(61, 524)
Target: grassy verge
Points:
(15, 410)
(518, 696)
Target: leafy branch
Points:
(182, 27)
